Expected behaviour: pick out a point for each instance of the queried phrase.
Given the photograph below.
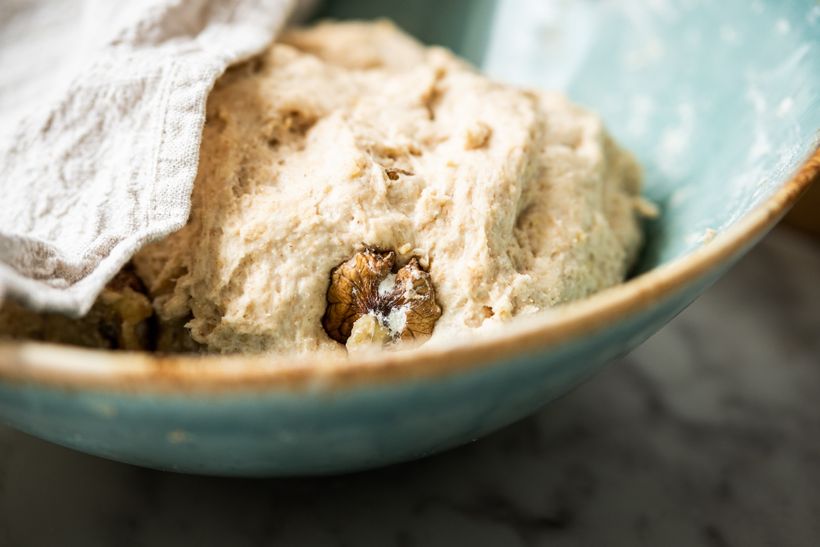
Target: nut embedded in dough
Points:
(121, 318)
(477, 136)
(368, 333)
(123, 309)
(403, 304)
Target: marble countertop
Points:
(708, 434)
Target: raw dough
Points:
(346, 134)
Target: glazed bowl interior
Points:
(718, 100)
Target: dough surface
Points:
(350, 135)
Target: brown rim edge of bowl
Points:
(77, 369)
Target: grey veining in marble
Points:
(708, 434)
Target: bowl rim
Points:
(80, 369)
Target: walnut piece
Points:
(122, 310)
(368, 333)
(370, 304)
(477, 136)
(122, 318)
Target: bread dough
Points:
(351, 134)
(346, 135)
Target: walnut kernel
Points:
(371, 303)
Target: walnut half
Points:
(368, 304)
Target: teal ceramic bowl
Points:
(720, 100)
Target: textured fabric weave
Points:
(101, 112)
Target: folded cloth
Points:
(101, 112)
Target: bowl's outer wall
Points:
(719, 100)
(278, 433)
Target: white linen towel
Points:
(101, 112)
